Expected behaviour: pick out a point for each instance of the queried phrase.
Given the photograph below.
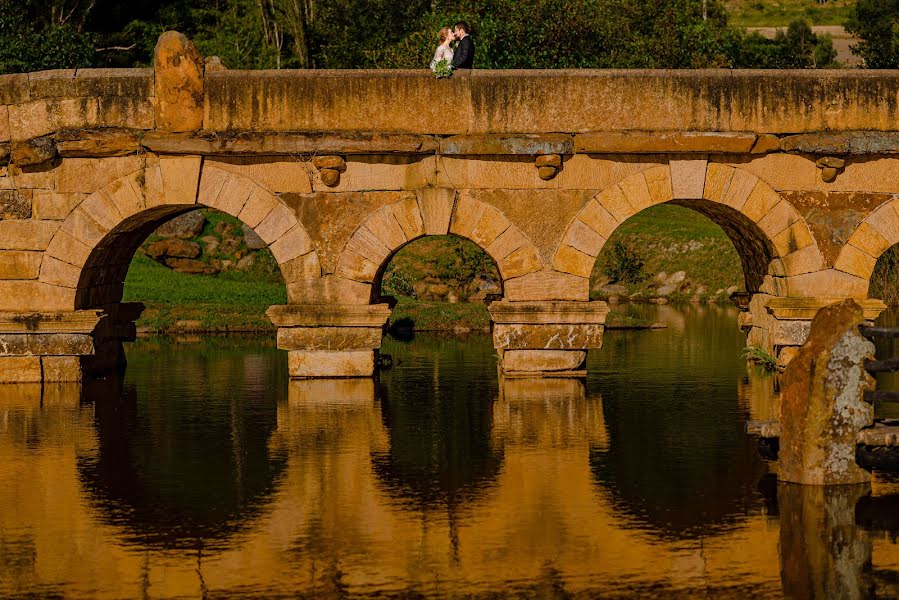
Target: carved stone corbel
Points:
(830, 167)
(329, 169)
(548, 165)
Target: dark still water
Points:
(205, 473)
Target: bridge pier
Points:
(64, 346)
(330, 340)
(547, 338)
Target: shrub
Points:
(623, 264)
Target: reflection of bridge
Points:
(338, 170)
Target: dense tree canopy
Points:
(253, 34)
(876, 22)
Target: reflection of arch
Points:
(436, 212)
(92, 250)
(770, 235)
(182, 457)
(870, 240)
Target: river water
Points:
(205, 473)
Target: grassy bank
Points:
(780, 13)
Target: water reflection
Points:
(205, 473)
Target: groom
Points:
(463, 58)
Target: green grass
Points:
(228, 301)
(439, 316)
(672, 238)
(780, 13)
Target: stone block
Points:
(788, 333)
(323, 363)
(333, 315)
(102, 209)
(598, 219)
(508, 242)
(328, 289)
(26, 234)
(688, 179)
(408, 214)
(15, 204)
(54, 206)
(19, 264)
(82, 227)
(855, 262)
(97, 143)
(329, 338)
(277, 223)
(276, 174)
(67, 249)
(760, 202)
(88, 175)
(658, 182)
(543, 360)
(795, 237)
(633, 142)
(62, 321)
(292, 244)
(24, 344)
(436, 205)
(61, 369)
(741, 185)
(548, 312)
(367, 245)
(4, 123)
(717, 180)
(179, 83)
(583, 238)
(636, 191)
(805, 260)
(571, 260)
(615, 203)
(869, 240)
(301, 267)
(466, 215)
(829, 283)
(547, 337)
(35, 296)
(489, 227)
(181, 180)
(519, 263)
(20, 369)
(356, 267)
(778, 219)
(547, 285)
(386, 228)
(56, 272)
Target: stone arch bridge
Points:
(337, 170)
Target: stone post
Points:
(179, 71)
(547, 338)
(822, 404)
(823, 554)
(330, 340)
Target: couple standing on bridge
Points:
(459, 55)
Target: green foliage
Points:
(622, 264)
(443, 70)
(885, 279)
(876, 22)
(30, 41)
(760, 357)
(797, 47)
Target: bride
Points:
(443, 52)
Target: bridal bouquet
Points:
(443, 69)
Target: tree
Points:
(876, 22)
(35, 36)
(797, 47)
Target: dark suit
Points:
(463, 57)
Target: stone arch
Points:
(436, 211)
(771, 237)
(92, 250)
(873, 236)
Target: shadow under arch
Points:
(769, 234)
(183, 457)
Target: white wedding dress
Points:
(443, 52)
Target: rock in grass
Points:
(186, 226)
(174, 249)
